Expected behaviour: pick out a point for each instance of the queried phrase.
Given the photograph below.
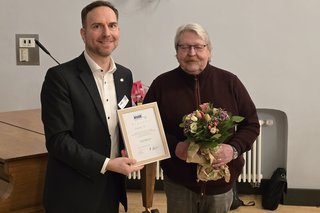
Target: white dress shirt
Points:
(105, 83)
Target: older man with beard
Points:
(180, 92)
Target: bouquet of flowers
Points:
(205, 129)
(138, 92)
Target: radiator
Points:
(159, 173)
(251, 172)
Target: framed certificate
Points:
(143, 133)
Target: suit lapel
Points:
(121, 82)
(88, 80)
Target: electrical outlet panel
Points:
(27, 52)
(27, 42)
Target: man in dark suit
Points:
(85, 172)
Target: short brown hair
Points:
(95, 4)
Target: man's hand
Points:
(182, 150)
(123, 165)
(223, 156)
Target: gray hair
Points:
(193, 27)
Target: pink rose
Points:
(204, 107)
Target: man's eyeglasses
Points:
(196, 47)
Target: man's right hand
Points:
(123, 165)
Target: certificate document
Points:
(143, 133)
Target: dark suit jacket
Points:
(78, 139)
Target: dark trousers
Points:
(110, 200)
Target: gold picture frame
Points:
(143, 133)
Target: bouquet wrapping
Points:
(206, 128)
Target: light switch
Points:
(24, 55)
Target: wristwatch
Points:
(235, 153)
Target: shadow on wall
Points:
(274, 137)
